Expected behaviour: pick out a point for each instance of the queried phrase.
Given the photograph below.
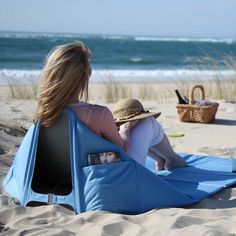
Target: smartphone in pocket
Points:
(103, 157)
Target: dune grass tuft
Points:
(114, 91)
(22, 91)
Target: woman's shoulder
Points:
(90, 107)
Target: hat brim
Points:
(139, 117)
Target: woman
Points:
(65, 78)
(147, 137)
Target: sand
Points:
(215, 215)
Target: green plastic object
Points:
(175, 134)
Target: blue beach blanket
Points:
(204, 176)
(124, 186)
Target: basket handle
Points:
(191, 93)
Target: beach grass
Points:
(20, 90)
(114, 90)
(219, 87)
(161, 92)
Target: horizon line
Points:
(116, 35)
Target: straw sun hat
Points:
(130, 109)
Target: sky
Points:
(164, 18)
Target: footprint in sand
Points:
(3, 228)
(230, 110)
(2, 151)
(15, 109)
(219, 151)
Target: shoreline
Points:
(31, 76)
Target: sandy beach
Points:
(215, 215)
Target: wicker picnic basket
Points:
(195, 113)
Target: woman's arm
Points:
(124, 129)
(110, 130)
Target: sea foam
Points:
(204, 40)
(32, 76)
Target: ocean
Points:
(121, 58)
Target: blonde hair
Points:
(64, 80)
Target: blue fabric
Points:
(204, 176)
(125, 186)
